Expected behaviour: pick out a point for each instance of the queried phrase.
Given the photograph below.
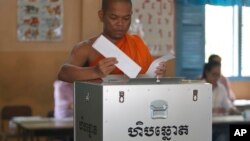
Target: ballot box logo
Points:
(239, 132)
(166, 132)
(88, 128)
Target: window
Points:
(189, 40)
(245, 65)
(225, 36)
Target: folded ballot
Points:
(152, 68)
(125, 64)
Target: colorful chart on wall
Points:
(40, 20)
(153, 20)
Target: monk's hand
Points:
(161, 69)
(105, 66)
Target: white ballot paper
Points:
(152, 68)
(125, 64)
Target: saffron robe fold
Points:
(134, 47)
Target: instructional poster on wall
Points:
(40, 20)
(153, 20)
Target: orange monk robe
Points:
(134, 47)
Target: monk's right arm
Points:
(73, 70)
(71, 73)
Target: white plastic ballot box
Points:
(142, 111)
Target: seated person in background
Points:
(223, 79)
(63, 99)
(116, 18)
(222, 105)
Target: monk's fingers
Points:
(161, 67)
(103, 71)
(107, 61)
(107, 70)
(159, 76)
(106, 66)
(160, 72)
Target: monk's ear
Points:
(100, 14)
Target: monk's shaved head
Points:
(116, 18)
(106, 3)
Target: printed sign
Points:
(39, 20)
(153, 20)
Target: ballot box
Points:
(142, 111)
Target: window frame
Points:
(180, 44)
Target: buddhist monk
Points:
(85, 63)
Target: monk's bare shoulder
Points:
(85, 45)
(82, 52)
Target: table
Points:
(230, 119)
(242, 104)
(30, 127)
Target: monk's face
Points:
(116, 19)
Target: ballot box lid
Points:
(140, 80)
(164, 80)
